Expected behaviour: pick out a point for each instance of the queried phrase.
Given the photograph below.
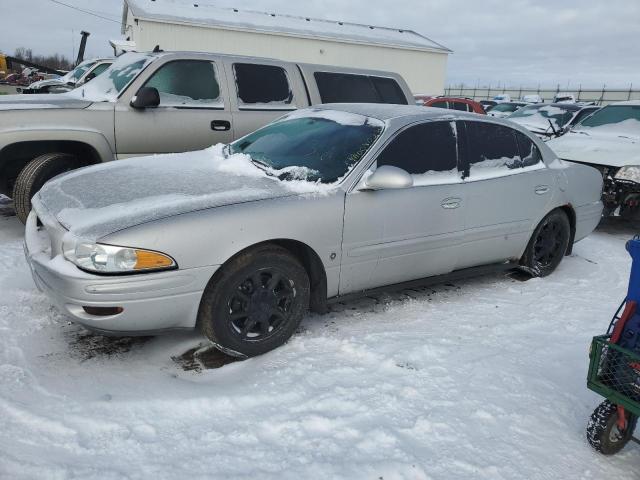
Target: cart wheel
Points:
(603, 433)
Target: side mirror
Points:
(387, 177)
(147, 97)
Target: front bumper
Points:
(151, 303)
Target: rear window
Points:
(262, 85)
(348, 88)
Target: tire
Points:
(548, 245)
(234, 311)
(602, 431)
(34, 175)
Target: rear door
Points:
(193, 113)
(507, 188)
(262, 91)
(396, 235)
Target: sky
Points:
(497, 42)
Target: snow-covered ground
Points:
(484, 379)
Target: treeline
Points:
(56, 61)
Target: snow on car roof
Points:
(181, 11)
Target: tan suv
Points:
(162, 102)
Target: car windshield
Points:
(539, 115)
(107, 86)
(623, 120)
(505, 107)
(313, 145)
(75, 74)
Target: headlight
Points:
(630, 172)
(99, 258)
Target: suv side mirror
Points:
(147, 97)
(388, 177)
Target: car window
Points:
(611, 114)
(459, 106)
(99, 69)
(427, 151)
(187, 83)
(492, 149)
(262, 85)
(344, 88)
(439, 105)
(389, 90)
(529, 153)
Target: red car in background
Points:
(454, 103)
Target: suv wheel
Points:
(255, 303)
(34, 175)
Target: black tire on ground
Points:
(35, 174)
(602, 431)
(548, 245)
(255, 302)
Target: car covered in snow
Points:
(501, 98)
(552, 119)
(83, 73)
(532, 98)
(504, 109)
(240, 240)
(162, 102)
(609, 140)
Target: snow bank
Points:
(482, 380)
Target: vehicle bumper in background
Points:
(587, 219)
(150, 302)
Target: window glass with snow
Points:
(427, 151)
(187, 83)
(262, 85)
(528, 151)
(492, 149)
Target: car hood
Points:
(96, 201)
(607, 149)
(40, 101)
(47, 83)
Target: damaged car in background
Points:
(609, 140)
(551, 120)
(240, 240)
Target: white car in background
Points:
(609, 140)
(503, 97)
(534, 98)
(563, 97)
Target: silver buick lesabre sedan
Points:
(241, 240)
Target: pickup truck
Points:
(165, 102)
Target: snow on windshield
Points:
(623, 120)
(540, 116)
(107, 86)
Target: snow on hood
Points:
(40, 101)
(600, 146)
(95, 201)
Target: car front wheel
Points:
(548, 245)
(255, 303)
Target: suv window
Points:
(459, 106)
(350, 88)
(262, 85)
(491, 148)
(427, 151)
(187, 83)
(439, 105)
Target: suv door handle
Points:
(220, 125)
(541, 189)
(451, 203)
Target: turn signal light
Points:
(146, 260)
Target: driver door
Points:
(396, 235)
(193, 113)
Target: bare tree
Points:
(57, 61)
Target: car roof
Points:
(385, 111)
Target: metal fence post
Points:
(630, 89)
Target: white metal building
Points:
(188, 25)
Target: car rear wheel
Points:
(548, 245)
(34, 175)
(255, 303)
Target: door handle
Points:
(450, 203)
(220, 125)
(542, 189)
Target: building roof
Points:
(192, 12)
